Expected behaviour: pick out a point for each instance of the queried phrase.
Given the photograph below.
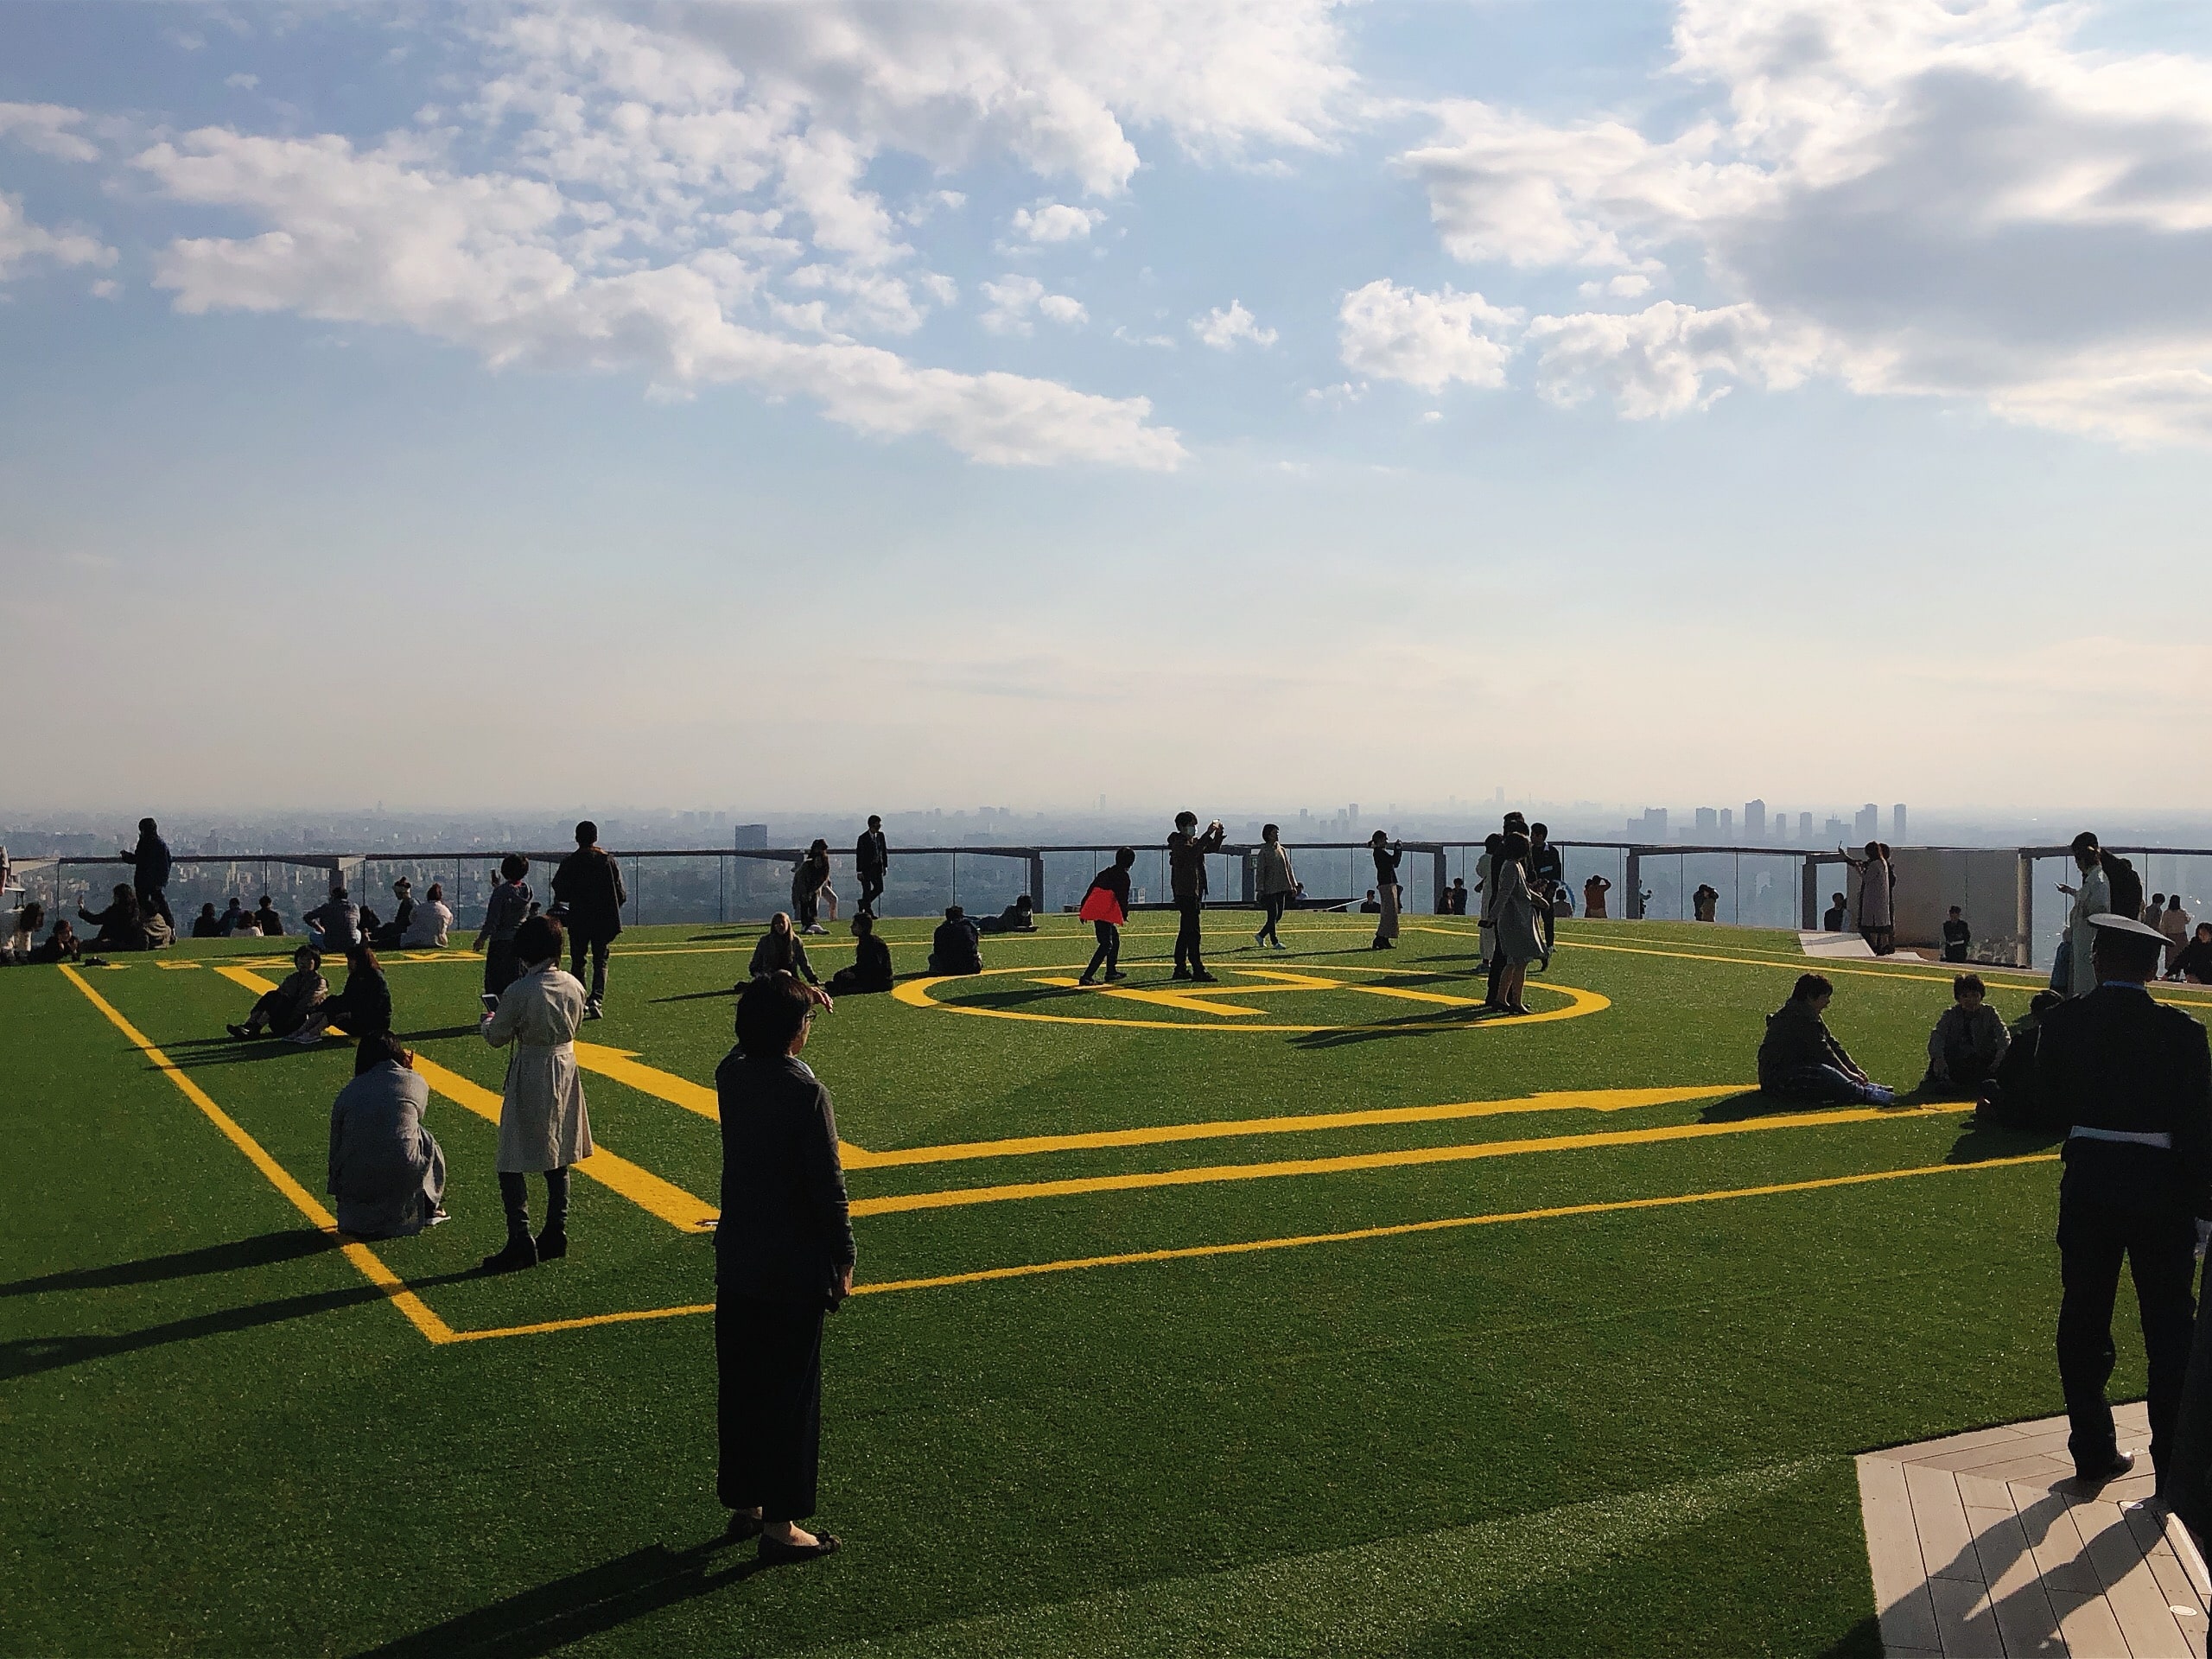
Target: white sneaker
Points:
(593, 1011)
(1260, 938)
(306, 1036)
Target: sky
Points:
(940, 401)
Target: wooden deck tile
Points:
(1983, 1544)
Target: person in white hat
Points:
(2132, 1080)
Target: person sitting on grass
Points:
(266, 918)
(22, 935)
(334, 924)
(284, 1010)
(207, 925)
(61, 945)
(2193, 962)
(780, 951)
(543, 1125)
(234, 917)
(783, 1260)
(426, 928)
(1968, 1044)
(362, 1006)
(389, 935)
(1800, 1059)
(871, 969)
(953, 949)
(386, 1171)
(2011, 1099)
(123, 927)
(1705, 902)
(1020, 917)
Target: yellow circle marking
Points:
(915, 993)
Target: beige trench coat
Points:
(542, 1120)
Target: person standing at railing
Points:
(149, 873)
(1593, 898)
(1274, 882)
(1877, 923)
(1106, 906)
(1186, 865)
(1386, 886)
(2092, 898)
(871, 859)
(588, 885)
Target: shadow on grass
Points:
(437, 1033)
(262, 1250)
(1438, 1024)
(720, 994)
(1978, 1142)
(29, 1355)
(600, 1598)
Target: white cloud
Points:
(21, 239)
(45, 128)
(504, 265)
(1055, 221)
(1427, 340)
(1664, 359)
(244, 83)
(1221, 329)
(1014, 297)
(1952, 195)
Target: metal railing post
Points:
(1036, 880)
(1632, 907)
(1808, 894)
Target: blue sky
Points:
(948, 401)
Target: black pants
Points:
(2101, 1219)
(578, 946)
(807, 901)
(501, 966)
(768, 1405)
(274, 1010)
(1108, 956)
(847, 981)
(1546, 895)
(514, 1197)
(871, 890)
(1274, 904)
(1187, 936)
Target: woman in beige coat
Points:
(543, 1125)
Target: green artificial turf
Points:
(1623, 1432)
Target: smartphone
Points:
(491, 1003)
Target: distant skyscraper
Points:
(1651, 827)
(1836, 830)
(1727, 823)
(1897, 818)
(1708, 823)
(1870, 822)
(751, 834)
(1754, 820)
(1805, 826)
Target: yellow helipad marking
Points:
(1350, 1235)
(961, 1197)
(915, 993)
(633, 1181)
(621, 1065)
(416, 1310)
(1582, 1100)
(174, 967)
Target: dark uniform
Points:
(2133, 1079)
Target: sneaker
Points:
(306, 1036)
(1203, 978)
(1180, 973)
(1115, 973)
(1260, 938)
(243, 1033)
(592, 1010)
(1086, 979)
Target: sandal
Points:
(773, 1554)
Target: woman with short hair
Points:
(508, 909)
(386, 1171)
(122, 925)
(544, 1128)
(782, 1259)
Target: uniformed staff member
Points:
(2134, 1079)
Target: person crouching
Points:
(544, 1127)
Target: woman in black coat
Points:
(782, 1259)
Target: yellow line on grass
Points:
(633, 1181)
(1195, 1252)
(960, 1197)
(417, 1312)
(1579, 1100)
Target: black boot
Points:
(553, 1242)
(520, 1250)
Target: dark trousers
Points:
(1274, 904)
(501, 967)
(514, 1197)
(768, 1405)
(1108, 956)
(1187, 936)
(152, 901)
(871, 890)
(2186, 1478)
(273, 1010)
(807, 901)
(848, 982)
(1546, 893)
(578, 946)
(2100, 1221)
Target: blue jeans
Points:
(1830, 1086)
